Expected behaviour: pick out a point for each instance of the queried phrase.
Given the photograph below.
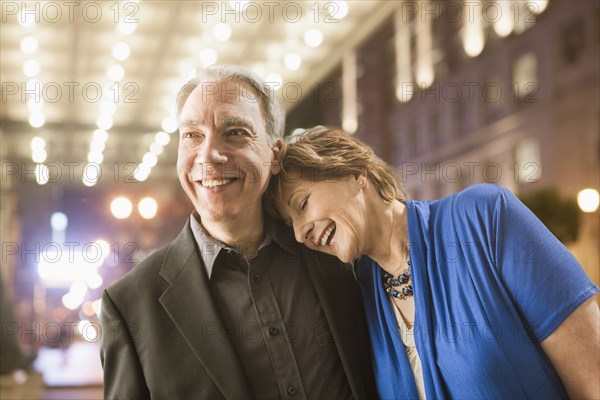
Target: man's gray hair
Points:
(273, 112)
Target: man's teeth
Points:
(215, 182)
(325, 237)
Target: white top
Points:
(408, 339)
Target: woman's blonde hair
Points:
(324, 153)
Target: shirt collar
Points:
(209, 247)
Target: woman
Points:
(469, 296)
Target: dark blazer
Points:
(162, 337)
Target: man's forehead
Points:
(225, 92)
(222, 118)
(223, 103)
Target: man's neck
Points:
(244, 234)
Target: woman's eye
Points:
(303, 204)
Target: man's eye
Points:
(236, 132)
(189, 135)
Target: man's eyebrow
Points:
(226, 122)
(189, 123)
(233, 120)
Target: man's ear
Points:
(278, 149)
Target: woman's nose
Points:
(303, 231)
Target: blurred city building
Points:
(502, 92)
(452, 93)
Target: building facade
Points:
(459, 93)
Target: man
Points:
(233, 307)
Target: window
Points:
(434, 130)
(492, 93)
(525, 78)
(460, 114)
(528, 161)
(573, 42)
(413, 137)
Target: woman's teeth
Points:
(327, 234)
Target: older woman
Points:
(469, 296)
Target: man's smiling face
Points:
(224, 157)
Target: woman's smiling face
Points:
(329, 216)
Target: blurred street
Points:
(59, 374)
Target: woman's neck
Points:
(390, 247)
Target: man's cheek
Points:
(253, 172)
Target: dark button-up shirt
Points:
(273, 317)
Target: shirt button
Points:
(291, 390)
(273, 331)
(257, 278)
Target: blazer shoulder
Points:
(141, 277)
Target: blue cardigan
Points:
(490, 283)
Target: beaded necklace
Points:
(399, 286)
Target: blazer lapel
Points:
(190, 305)
(331, 284)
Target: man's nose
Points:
(211, 151)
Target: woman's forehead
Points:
(291, 186)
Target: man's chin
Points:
(214, 216)
(223, 214)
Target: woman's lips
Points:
(327, 235)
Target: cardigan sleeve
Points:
(543, 278)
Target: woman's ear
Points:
(278, 150)
(361, 179)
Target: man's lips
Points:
(210, 183)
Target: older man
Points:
(233, 307)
